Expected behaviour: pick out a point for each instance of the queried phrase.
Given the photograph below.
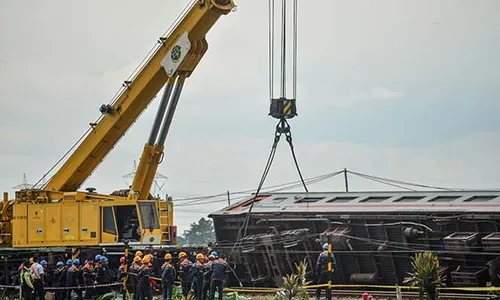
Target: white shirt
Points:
(36, 270)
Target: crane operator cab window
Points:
(131, 222)
(148, 215)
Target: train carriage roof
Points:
(485, 201)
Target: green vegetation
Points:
(426, 274)
(198, 234)
(292, 286)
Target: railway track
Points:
(386, 295)
(390, 295)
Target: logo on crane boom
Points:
(171, 62)
(176, 53)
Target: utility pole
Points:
(345, 180)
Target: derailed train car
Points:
(373, 234)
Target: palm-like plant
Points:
(292, 285)
(426, 274)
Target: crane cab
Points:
(138, 224)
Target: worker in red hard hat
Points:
(121, 269)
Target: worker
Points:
(73, 279)
(89, 277)
(185, 273)
(322, 271)
(104, 275)
(26, 281)
(133, 278)
(59, 280)
(38, 273)
(144, 286)
(207, 274)
(219, 270)
(121, 269)
(168, 275)
(197, 275)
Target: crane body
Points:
(59, 215)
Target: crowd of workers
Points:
(35, 276)
(204, 276)
(95, 277)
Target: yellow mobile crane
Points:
(59, 215)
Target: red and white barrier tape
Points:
(49, 288)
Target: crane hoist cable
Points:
(281, 108)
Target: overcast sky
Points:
(401, 89)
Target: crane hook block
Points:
(283, 108)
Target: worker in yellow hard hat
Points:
(207, 274)
(134, 269)
(167, 277)
(184, 273)
(145, 290)
(197, 271)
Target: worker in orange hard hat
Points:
(168, 275)
(207, 274)
(138, 253)
(135, 267)
(185, 273)
(197, 271)
(144, 285)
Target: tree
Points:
(427, 275)
(200, 233)
(181, 240)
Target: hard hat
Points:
(76, 261)
(69, 262)
(146, 260)
(98, 257)
(137, 259)
(43, 262)
(200, 256)
(32, 260)
(138, 253)
(150, 256)
(182, 254)
(104, 259)
(325, 246)
(211, 257)
(60, 263)
(168, 256)
(122, 259)
(215, 254)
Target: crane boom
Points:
(165, 65)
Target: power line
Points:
(404, 182)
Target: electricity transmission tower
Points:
(158, 182)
